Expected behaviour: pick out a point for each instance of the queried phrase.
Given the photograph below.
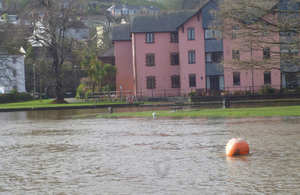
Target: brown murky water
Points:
(49, 152)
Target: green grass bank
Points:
(228, 112)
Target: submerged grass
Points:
(234, 112)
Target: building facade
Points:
(177, 52)
(127, 9)
(12, 72)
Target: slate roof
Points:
(78, 25)
(120, 32)
(165, 22)
(9, 51)
(133, 7)
(108, 53)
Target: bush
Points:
(112, 88)
(192, 93)
(284, 90)
(14, 95)
(266, 90)
(80, 91)
(5, 98)
(236, 92)
(88, 93)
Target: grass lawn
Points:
(46, 103)
(235, 112)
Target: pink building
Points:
(174, 53)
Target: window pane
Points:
(208, 57)
(266, 53)
(174, 59)
(267, 77)
(236, 78)
(150, 60)
(150, 82)
(191, 35)
(235, 54)
(217, 57)
(192, 57)
(208, 34)
(174, 37)
(217, 34)
(175, 82)
(192, 80)
(235, 31)
(150, 38)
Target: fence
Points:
(176, 92)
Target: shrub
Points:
(284, 90)
(112, 88)
(266, 90)
(80, 91)
(5, 98)
(14, 95)
(236, 92)
(192, 93)
(88, 93)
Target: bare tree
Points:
(51, 31)
(267, 27)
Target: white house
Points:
(12, 71)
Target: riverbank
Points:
(72, 104)
(77, 104)
(227, 112)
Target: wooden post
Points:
(110, 110)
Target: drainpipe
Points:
(252, 70)
(135, 67)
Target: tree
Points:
(269, 27)
(110, 72)
(94, 69)
(51, 32)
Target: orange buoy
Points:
(237, 147)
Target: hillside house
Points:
(126, 9)
(12, 71)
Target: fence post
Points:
(228, 90)
(141, 93)
(165, 93)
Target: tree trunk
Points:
(59, 88)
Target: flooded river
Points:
(51, 152)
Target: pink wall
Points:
(246, 75)
(186, 45)
(123, 58)
(257, 55)
(162, 70)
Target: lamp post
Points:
(34, 87)
(75, 67)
